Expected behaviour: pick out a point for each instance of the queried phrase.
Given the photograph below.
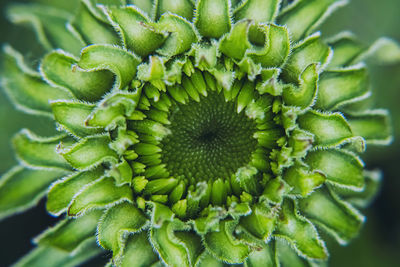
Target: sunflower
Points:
(192, 133)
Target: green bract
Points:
(192, 133)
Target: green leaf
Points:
(304, 95)
(72, 116)
(341, 168)
(310, 51)
(338, 87)
(62, 192)
(40, 152)
(116, 223)
(93, 29)
(138, 252)
(60, 70)
(328, 129)
(374, 126)
(50, 25)
(300, 233)
(137, 32)
(53, 257)
(337, 217)
(102, 193)
(275, 50)
(69, 234)
(183, 8)
(212, 18)
(108, 57)
(232, 250)
(304, 16)
(25, 88)
(176, 248)
(90, 152)
(181, 35)
(260, 11)
(22, 188)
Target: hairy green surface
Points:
(229, 134)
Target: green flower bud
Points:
(192, 133)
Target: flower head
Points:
(192, 133)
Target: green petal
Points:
(69, 234)
(310, 51)
(275, 50)
(232, 250)
(302, 180)
(346, 48)
(263, 257)
(304, 16)
(260, 11)
(38, 151)
(288, 257)
(114, 109)
(337, 217)
(183, 8)
(260, 223)
(94, 6)
(181, 35)
(53, 257)
(361, 199)
(60, 70)
(50, 25)
(62, 192)
(24, 86)
(145, 5)
(90, 152)
(72, 115)
(212, 17)
(138, 252)
(122, 173)
(341, 168)
(328, 129)
(92, 29)
(160, 214)
(106, 57)
(116, 222)
(374, 126)
(137, 33)
(384, 51)
(100, 194)
(343, 86)
(304, 95)
(22, 188)
(300, 233)
(176, 248)
(236, 43)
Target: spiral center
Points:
(208, 140)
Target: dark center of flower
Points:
(208, 139)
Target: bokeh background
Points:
(379, 242)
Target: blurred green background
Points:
(379, 242)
